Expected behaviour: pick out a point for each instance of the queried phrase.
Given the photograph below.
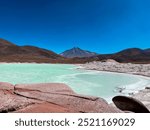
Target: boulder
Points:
(49, 97)
(147, 87)
(62, 95)
(130, 104)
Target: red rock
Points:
(44, 108)
(10, 102)
(72, 101)
(48, 97)
(6, 86)
(46, 87)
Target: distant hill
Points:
(5, 43)
(10, 52)
(133, 55)
(77, 52)
(147, 50)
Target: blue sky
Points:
(103, 26)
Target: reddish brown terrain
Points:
(48, 97)
(10, 52)
(131, 55)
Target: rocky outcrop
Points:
(48, 97)
(10, 102)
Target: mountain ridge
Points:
(9, 52)
(133, 55)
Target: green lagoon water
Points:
(85, 82)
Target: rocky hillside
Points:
(10, 52)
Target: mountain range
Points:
(133, 55)
(9, 52)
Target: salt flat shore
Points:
(112, 66)
(129, 68)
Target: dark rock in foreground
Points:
(48, 97)
(130, 104)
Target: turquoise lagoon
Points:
(87, 82)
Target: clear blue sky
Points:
(103, 26)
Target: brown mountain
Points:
(147, 50)
(133, 55)
(10, 52)
(5, 43)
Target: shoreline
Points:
(143, 94)
(116, 72)
(90, 68)
(147, 77)
(84, 67)
(136, 90)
